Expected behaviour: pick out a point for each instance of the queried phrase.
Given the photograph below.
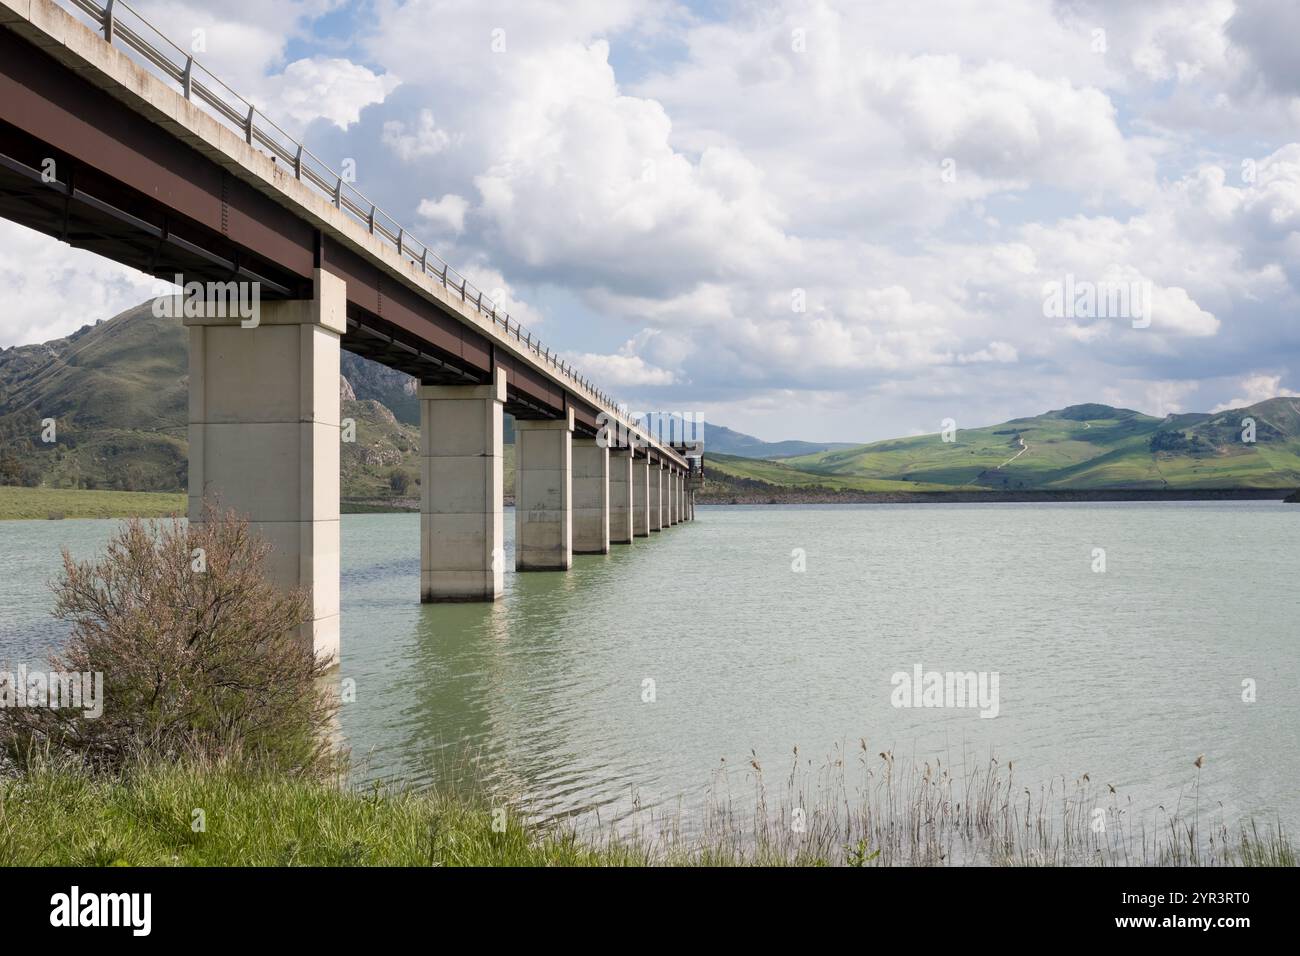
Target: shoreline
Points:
(68, 815)
(22, 504)
(995, 497)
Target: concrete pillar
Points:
(672, 497)
(664, 485)
(621, 513)
(544, 494)
(641, 497)
(668, 497)
(590, 496)
(461, 477)
(264, 438)
(656, 522)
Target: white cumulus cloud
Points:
(1257, 388)
(327, 88)
(447, 213)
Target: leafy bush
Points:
(200, 655)
(1169, 441)
(399, 481)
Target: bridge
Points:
(114, 139)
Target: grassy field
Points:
(64, 818)
(784, 474)
(29, 503)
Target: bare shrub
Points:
(200, 655)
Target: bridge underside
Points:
(88, 156)
(77, 204)
(78, 164)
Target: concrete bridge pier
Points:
(656, 522)
(665, 485)
(591, 496)
(544, 494)
(669, 513)
(461, 482)
(264, 438)
(621, 514)
(641, 496)
(667, 496)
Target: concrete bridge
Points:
(114, 139)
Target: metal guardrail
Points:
(125, 29)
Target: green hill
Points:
(726, 474)
(118, 392)
(1089, 447)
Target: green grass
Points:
(249, 818)
(29, 503)
(904, 815)
(782, 474)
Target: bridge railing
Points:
(126, 30)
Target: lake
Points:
(1127, 674)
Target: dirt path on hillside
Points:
(1024, 447)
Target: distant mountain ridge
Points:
(725, 441)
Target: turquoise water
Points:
(1127, 675)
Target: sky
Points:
(834, 221)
